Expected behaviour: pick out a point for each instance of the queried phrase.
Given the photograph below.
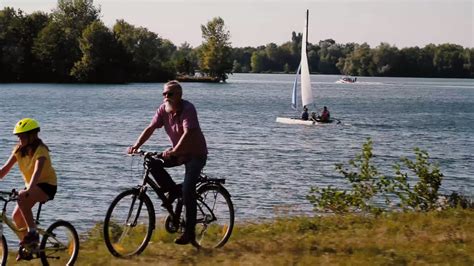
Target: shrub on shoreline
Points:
(414, 186)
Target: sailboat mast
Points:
(306, 92)
(307, 22)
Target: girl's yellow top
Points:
(27, 166)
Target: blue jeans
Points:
(193, 170)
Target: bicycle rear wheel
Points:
(3, 250)
(215, 217)
(129, 223)
(60, 243)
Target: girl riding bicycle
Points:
(40, 179)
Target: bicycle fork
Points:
(142, 191)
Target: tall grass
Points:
(445, 237)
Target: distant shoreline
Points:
(210, 80)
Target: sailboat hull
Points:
(295, 121)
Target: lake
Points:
(269, 167)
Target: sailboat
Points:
(306, 92)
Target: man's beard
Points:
(169, 106)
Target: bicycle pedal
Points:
(24, 254)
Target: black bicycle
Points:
(130, 219)
(59, 243)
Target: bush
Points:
(424, 195)
(368, 185)
(365, 180)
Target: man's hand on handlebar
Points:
(167, 153)
(132, 149)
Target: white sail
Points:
(306, 92)
(294, 97)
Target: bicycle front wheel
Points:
(129, 223)
(3, 250)
(215, 217)
(60, 244)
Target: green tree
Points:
(75, 15)
(103, 57)
(215, 52)
(185, 59)
(271, 53)
(289, 58)
(275, 58)
(469, 61)
(313, 58)
(258, 61)
(57, 45)
(243, 56)
(33, 69)
(329, 55)
(425, 62)
(449, 61)
(296, 43)
(386, 59)
(52, 49)
(237, 67)
(150, 54)
(286, 68)
(17, 33)
(409, 60)
(12, 54)
(359, 62)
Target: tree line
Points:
(72, 44)
(328, 57)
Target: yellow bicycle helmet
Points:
(25, 125)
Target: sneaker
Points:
(185, 239)
(29, 239)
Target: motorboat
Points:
(347, 80)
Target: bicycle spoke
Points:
(215, 217)
(60, 243)
(129, 223)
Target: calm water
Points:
(269, 166)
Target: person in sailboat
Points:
(304, 115)
(325, 115)
(314, 117)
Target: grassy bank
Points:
(445, 237)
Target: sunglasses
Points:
(168, 94)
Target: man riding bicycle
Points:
(180, 121)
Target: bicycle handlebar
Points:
(144, 153)
(12, 195)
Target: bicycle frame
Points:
(148, 181)
(6, 220)
(124, 213)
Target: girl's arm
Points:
(7, 166)
(37, 172)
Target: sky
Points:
(403, 23)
